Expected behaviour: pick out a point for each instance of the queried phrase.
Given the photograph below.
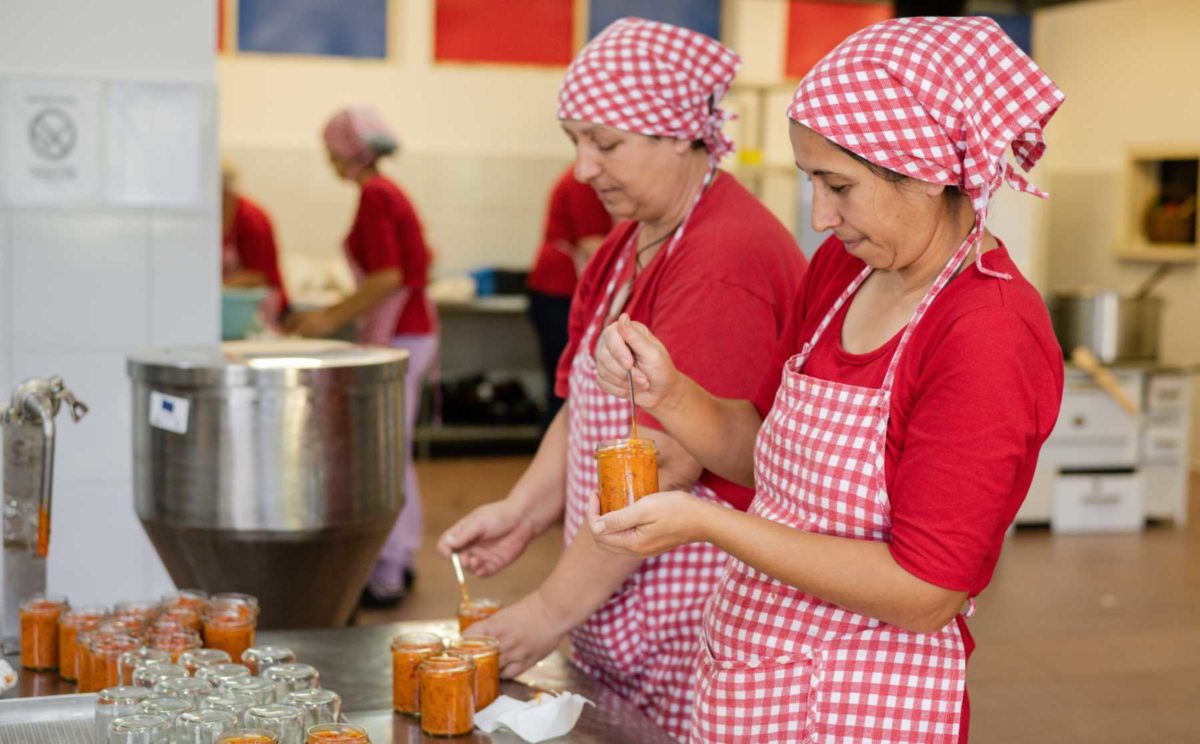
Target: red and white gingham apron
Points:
(779, 665)
(643, 640)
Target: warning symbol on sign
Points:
(52, 134)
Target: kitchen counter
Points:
(356, 663)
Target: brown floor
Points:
(1080, 639)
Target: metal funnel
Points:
(271, 468)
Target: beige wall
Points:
(1129, 69)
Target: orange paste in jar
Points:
(472, 612)
(447, 695)
(337, 733)
(70, 625)
(408, 651)
(628, 470)
(231, 632)
(485, 652)
(248, 739)
(39, 633)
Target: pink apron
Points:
(642, 642)
(779, 665)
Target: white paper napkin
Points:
(8, 678)
(544, 717)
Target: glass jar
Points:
(70, 624)
(204, 726)
(201, 657)
(319, 705)
(485, 652)
(186, 617)
(106, 656)
(189, 598)
(292, 678)
(170, 708)
(447, 695)
(236, 703)
(139, 728)
(218, 675)
(129, 661)
(472, 612)
(39, 631)
(261, 658)
(285, 721)
(113, 703)
(177, 642)
(337, 733)
(249, 736)
(628, 470)
(261, 691)
(150, 674)
(189, 688)
(230, 628)
(408, 651)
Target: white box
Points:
(1104, 502)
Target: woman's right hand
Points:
(490, 537)
(627, 344)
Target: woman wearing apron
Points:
(906, 427)
(249, 257)
(698, 259)
(387, 252)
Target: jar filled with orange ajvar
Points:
(70, 624)
(337, 733)
(447, 693)
(229, 625)
(471, 612)
(106, 654)
(176, 642)
(408, 651)
(485, 652)
(628, 470)
(39, 631)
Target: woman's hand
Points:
(490, 537)
(653, 525)
(315, 324)
(627, 344)
(528, 632)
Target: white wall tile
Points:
(185, 281)
(79, 280)
(6, 380)
(97, 546)
(99, 447)
(5, 274)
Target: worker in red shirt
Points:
(249, 257)
(907, 426)
(387, 252)
(576, 223)
(696, 257)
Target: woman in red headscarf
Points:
(695, 257)
(387, 252)
(905, 431)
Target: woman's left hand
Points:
(652, 525)
(315, 324)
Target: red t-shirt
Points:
(720, 302)
(574, 213)
(976, 394)
(387, 234)
(253, 238)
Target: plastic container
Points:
(447, 695)
(408, 651)
(239, 306)
(485, 652)
(628, 470)
(39, 631)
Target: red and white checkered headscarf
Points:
(936, 99)
(655, 79)
(358, 135)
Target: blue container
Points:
(238, 306)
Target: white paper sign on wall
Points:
(51, 141)
(153, 154)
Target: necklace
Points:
(656, 241)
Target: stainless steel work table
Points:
(356, 663)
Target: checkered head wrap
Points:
(936, 99)
(655, 79)
(360, 136)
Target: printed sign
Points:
(169, 412)
(51, 141)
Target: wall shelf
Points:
(1159, 201)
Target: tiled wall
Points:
(83, 284)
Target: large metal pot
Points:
(272, 468)
(1115, 326)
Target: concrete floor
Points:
(1080, 639)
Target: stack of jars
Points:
(444, 682)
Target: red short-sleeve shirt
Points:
(573, 213)
(720, 302)
(253, 238)
(387, 234)
(976, 394)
